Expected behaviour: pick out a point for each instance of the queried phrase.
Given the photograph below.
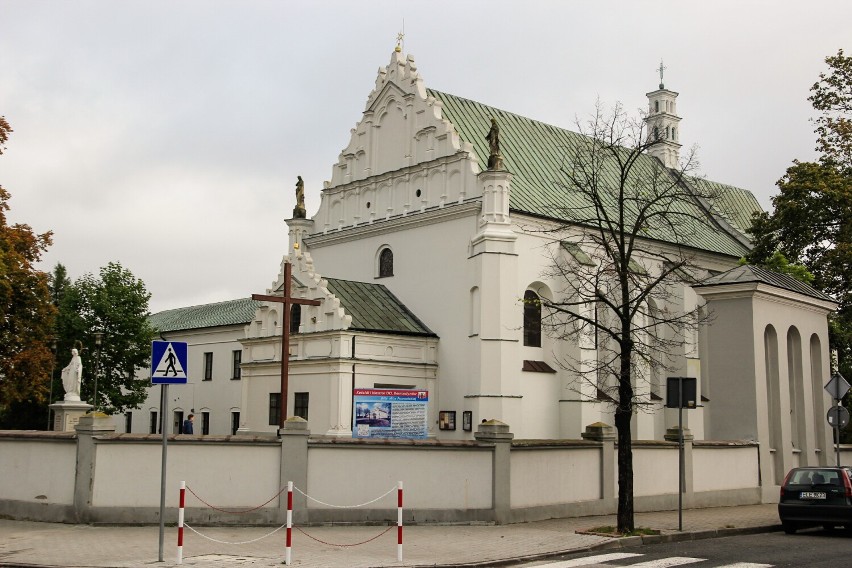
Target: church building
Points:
(430, 246)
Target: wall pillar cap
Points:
(95, 422)
(599, 431)
(673, 435)
(295, 425)
(493, 431)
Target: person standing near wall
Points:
(187, 424)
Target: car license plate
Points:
(813, 495)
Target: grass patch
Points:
(612, 531)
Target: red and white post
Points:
(399, 521)
(180, 522)
(289, 522)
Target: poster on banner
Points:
(389, 413)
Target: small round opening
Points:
(368, 205)
(417, 193)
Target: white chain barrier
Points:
(391, 490)
(210, 538)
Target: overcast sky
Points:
(167, 135)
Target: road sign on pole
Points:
(168, 363)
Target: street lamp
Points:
(99, 339)
(53, 342)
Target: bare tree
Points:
(620, 262)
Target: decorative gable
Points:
(402, 157)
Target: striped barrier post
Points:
(289, 522)
(399, 521)
(180, 522)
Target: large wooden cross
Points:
(287, 300)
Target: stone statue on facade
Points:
(495, 159)
(299, 211)
(72, 376)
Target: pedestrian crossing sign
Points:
(168, 363)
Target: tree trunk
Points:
(623, 416)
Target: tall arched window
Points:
(295, 317)
(386, 263)
(532, 319)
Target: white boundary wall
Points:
(100, 476)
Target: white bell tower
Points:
(663, 124)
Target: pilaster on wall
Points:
(298, 230)
(495, 226)
(494, 394)
(89, 426)
(294, 466)
(496, 432)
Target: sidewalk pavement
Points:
(32, 544)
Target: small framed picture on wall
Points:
(447, 420)
(467, 420)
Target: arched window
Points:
(295, 317)
(656, 106)
(656, 133)
(386, 263)
(532, 319)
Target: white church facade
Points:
(421, 257)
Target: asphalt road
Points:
(814, 548)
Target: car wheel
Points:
(789, 528)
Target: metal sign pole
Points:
(164, 396)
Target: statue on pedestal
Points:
(495, 158)
(299, 211)
(72, 376)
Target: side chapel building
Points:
(420, 256)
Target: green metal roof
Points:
(374, 308)
(232, 312)
(751, 273)
(534, 151)
(735, 204)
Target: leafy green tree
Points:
(114, 303)
(27, 318)
(812, 219)
(59, 283)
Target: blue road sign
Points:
(168, 363)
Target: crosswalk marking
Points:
(590, 560)
(665, 562)
(659, 563)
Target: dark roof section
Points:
(374, 308)
(232, 312)
(749, 273)
(534, 151)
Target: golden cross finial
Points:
(399, 39)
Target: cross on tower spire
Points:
(661, 69)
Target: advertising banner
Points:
(389, 413)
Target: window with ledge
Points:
(385, 263)
(154, 423)
(235, 422)
(205, 423)
(236, 372)
(532, 319)
(274, 408)
(128, 422)
(295, 318)
(208, 366)
(300, 404)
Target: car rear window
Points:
(815, 477)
